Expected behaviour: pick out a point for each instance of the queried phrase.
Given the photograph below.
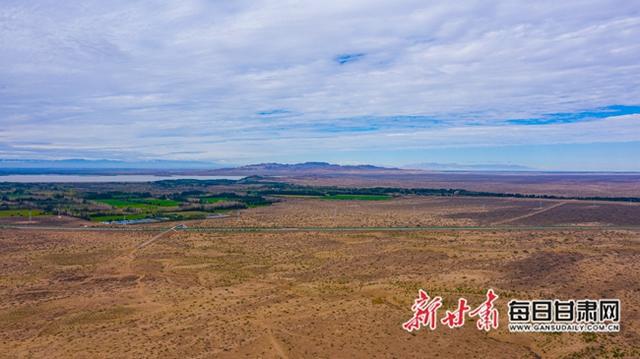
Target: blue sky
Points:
(554, 85)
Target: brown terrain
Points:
(433, 211)
(315, 293)
(559, 184)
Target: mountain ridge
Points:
(274, 168)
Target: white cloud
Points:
(150, 78)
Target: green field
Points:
(146, 203)
(20, 213)
(160, 202)
(357, 197)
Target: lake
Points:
(103, 178)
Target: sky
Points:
(551, 85)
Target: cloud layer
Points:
(256, 80)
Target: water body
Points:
(103, 178)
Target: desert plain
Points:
(315, 278)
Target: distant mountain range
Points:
(468, 167)
(80, 166)
(275, 169)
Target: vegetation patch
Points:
(118, 217)
(186, 215)
(17, 315)
(68, 259)
(102, 315)
(216, 199)
(160, 202)
(20, 212)
(145, 203)
(298, 196)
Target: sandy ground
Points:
(320, 295)
(431, 211)
(561, 184)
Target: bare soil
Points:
(312, 294)
(561, 184)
